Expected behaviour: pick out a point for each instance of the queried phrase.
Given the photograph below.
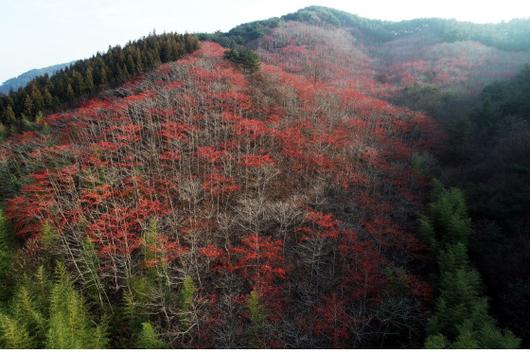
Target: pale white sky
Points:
(39, 33)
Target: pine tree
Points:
(246, 59)
(9, 116)
(186, 296)
(148, 338)
(46, 314)
(257, 317)
(89, 81)
(49, 236)
(27, 103)
(69, 325)
(69, 93)
(460, 318)
(13, 334)
(437, 341)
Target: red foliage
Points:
(211, 251)
(256, 161)
(260, 261)
(195, 149)
(210, 154)
(218, 184)
(333, 321)
(176, 131)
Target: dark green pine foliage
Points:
(85, 78)
(460, 318)
(244, 58)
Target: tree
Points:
(148, 338)
(69, 325)
(13, 334)
(186, 297)
(9, 117)
(257, 315)
(82, 79)
(46, 314)
(460, 318)
(246, 59)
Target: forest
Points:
(318, 180)
(86, 78)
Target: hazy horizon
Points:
(59, 31)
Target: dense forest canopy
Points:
(314, 180)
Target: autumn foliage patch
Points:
(257, 183)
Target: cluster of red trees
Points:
(291, 183)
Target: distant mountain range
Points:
(23, 79)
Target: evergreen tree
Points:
(246, 59)
(13, 334)
(148, 338)
(84, 78)
(69, 93)
(9, 117)
(46, 314)
(69, 325)
(186, 297)
(460, 318)
(257, 317)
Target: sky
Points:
(40, 33)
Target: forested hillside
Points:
(22, 80)
(20, 109)
(273, 187)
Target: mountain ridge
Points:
(24, 78)
(306, 14)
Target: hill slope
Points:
(208, 204)
(23, 79)
(444, 53)
(238, 179)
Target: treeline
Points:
(22, 80)
(512, 35)
(460, 318)
(242, 34)
(86, 78)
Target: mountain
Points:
(455, 57)
(22, 80)
(272, 187)
(447, 54)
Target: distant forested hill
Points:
(20, 81)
